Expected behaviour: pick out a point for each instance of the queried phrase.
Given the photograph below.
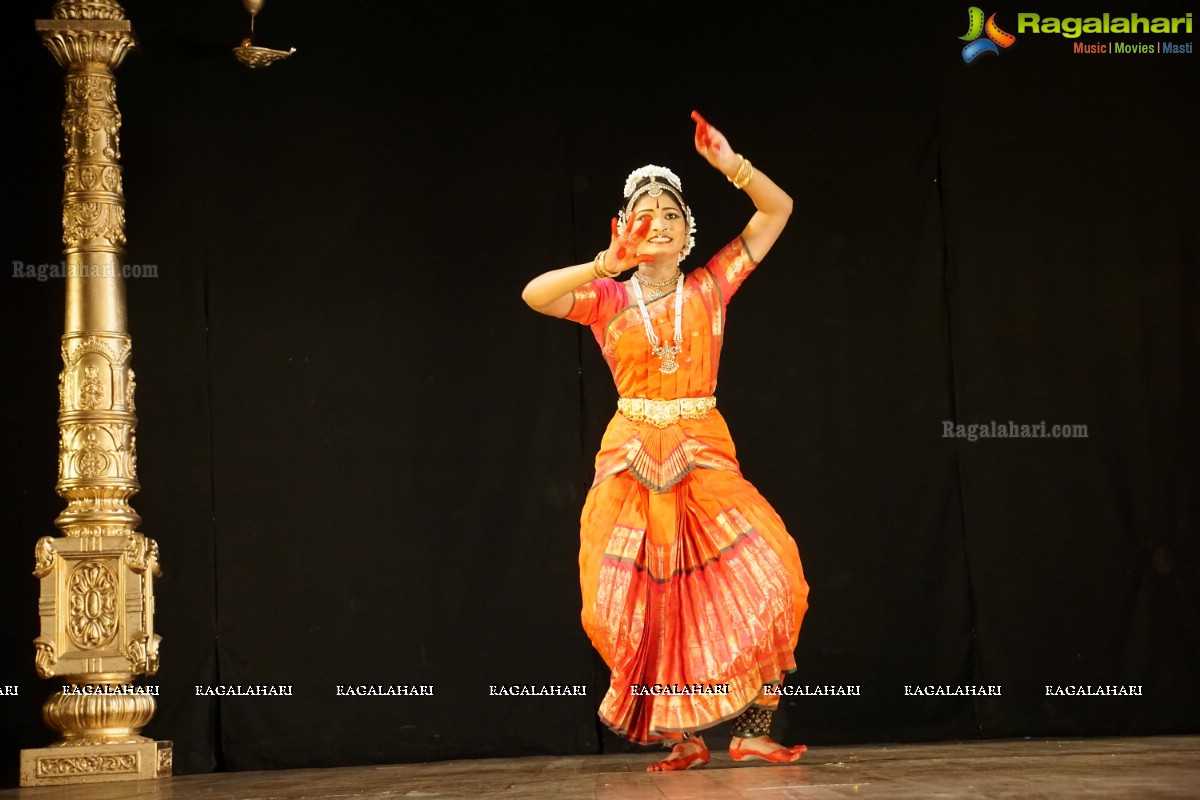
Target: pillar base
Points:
(96, 763)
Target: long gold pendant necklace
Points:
(666, 352)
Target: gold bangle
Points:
(738, 171)
(745, 172)
(598, 266)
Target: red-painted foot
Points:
(764, 748)
(685, 755)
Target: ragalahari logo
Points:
(976, 27)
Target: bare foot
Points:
(764, 747)
(689, 753)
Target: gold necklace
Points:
(666, 352)
(657, 290)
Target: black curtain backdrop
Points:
(364, 458)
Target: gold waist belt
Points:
(661, 413)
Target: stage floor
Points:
(1129, 769)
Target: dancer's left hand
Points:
(713, 145)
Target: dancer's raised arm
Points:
(773, 205)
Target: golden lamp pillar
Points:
(97, 578)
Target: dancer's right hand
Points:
(623, 247)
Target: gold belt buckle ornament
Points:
(663, 413)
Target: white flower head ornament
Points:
(654, 180)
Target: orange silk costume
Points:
(688, 575)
